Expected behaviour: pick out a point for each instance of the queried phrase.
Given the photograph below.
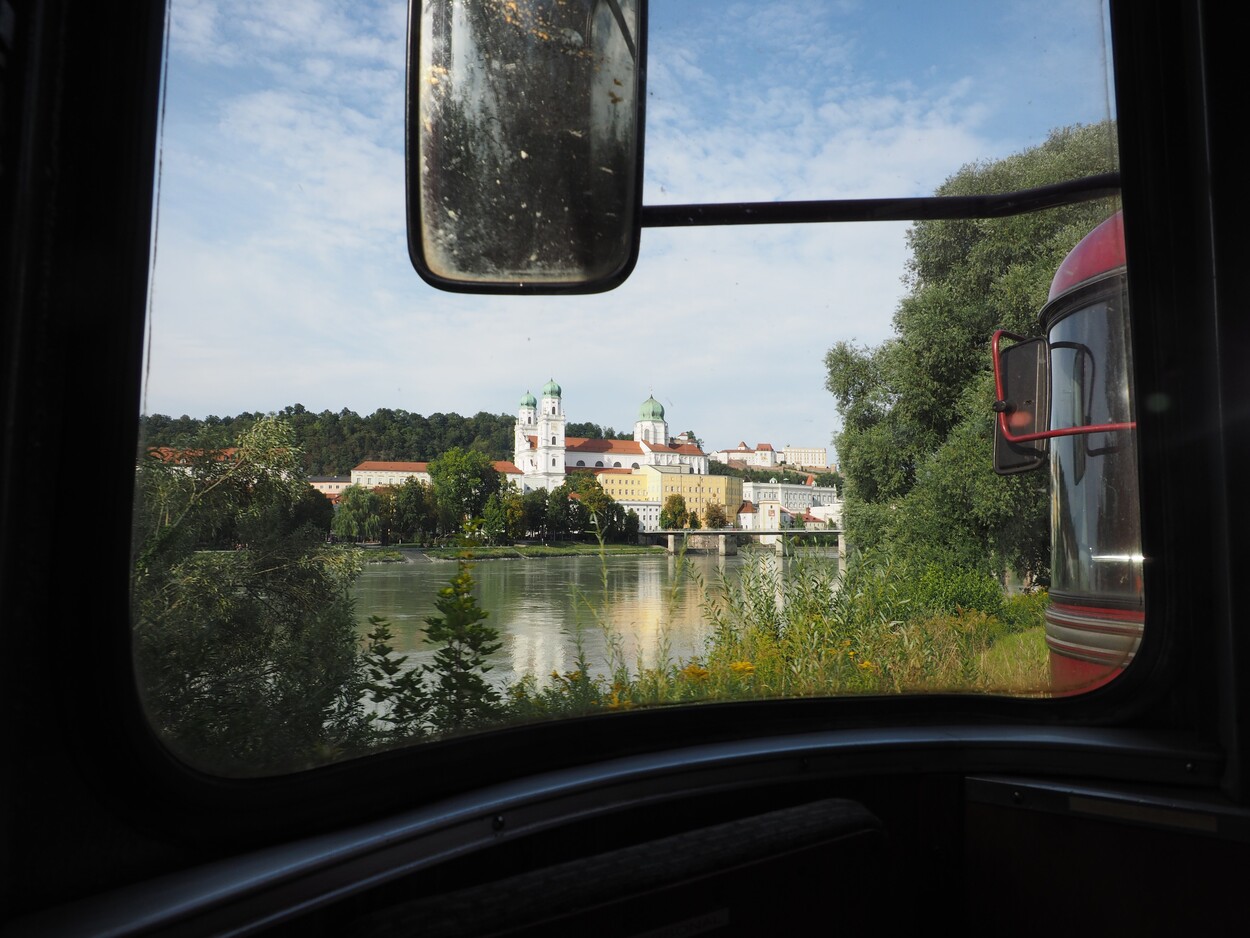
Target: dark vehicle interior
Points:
(1124, 810)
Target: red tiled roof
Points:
(747, 508)
(764, 447)
(581, 444)
(621, 471)
(382, 466)
(375, 465)
(169, 454)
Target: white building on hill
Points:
(763, 456)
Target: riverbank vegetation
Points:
(877, 626)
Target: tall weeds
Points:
(808, 627)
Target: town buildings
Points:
(764, 456)
(640, 474)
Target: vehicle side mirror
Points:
(523, 150)
(1022, 407)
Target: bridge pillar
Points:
(781, 544)
(672, 543)
(720, 545)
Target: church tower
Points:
(550, 434)
(523, 455)
(651, 426)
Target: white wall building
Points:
(795, 497)
(762, 456)
(373, 473)
(806, 457)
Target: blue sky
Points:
(282, 273)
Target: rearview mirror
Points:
(524, 143)
(1022, 408)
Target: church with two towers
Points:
(545, 455)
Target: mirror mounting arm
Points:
(1003, 407)
(924, 208)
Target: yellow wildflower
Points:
(742, 668)
(692, 672)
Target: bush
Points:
(949, 591)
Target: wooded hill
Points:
(334, 443)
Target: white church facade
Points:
(544, 454)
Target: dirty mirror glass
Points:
(523, 142)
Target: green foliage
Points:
(358, 515)
(461, 699)
(246, 656)
(463, 481)
(415, 511)
(673, 513)
(400, 696)
(943, 590)
(716, 516)
(1023, 612)
(915, 447)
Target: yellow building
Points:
(657, 483)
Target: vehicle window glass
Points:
(371, 513)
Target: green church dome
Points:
(551, 389)
(528, 400)
(651, 410)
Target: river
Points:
(540, 605)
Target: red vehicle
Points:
(1066, 401)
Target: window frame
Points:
(78, 236)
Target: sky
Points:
(281, 272)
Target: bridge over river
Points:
(725, 542)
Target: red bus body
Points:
(1095, 617)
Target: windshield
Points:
(372, 514)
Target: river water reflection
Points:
(540, 605)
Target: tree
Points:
(716, 516)
(673, 513)
(244, 632)
(416, 513)
(495, 519)
(460, 697)
(534, 512)
(916, 419)
(358, 514)
(463, 481)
